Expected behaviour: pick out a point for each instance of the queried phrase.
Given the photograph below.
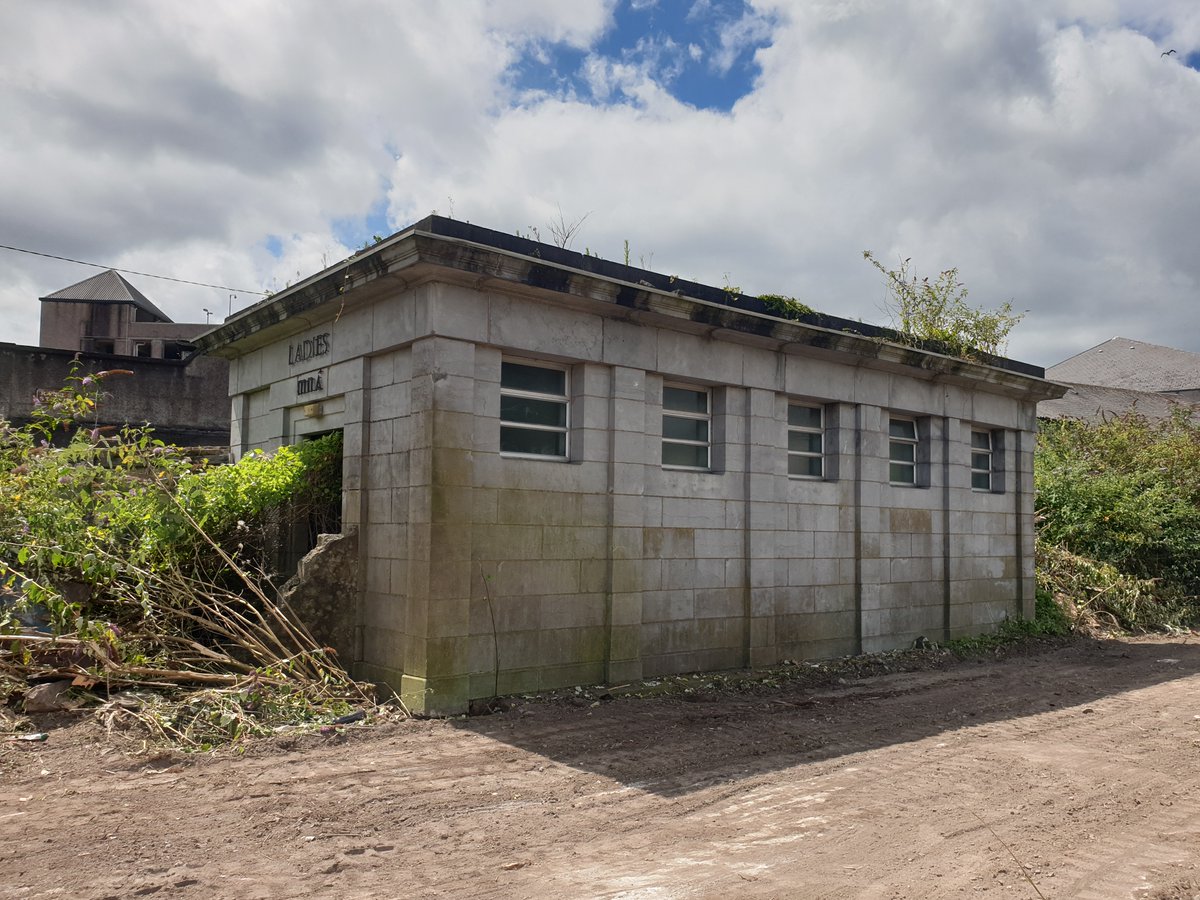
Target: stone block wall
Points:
(186, 401)
(481, 573)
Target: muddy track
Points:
(1077, 770)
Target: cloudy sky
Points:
(1047, 148)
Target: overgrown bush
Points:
(935, 313)
(1125, 492)
(1118, 506)
(110, 502)
(1093, 593)
(248, 507)
(148, 567)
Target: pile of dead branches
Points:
(192, 663)
(132, 580)
(1098, 598)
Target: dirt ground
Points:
(1072, 773)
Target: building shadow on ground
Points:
(670, 745)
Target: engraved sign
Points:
(309, 384)
(309, 348)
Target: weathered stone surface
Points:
(324, 593)
(487, 572)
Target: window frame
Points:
(995, 453)
(820, 431)
(894, 441)
(706, 417)
(563, 400)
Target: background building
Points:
(106, 314)
(1122, 376)
(109, 324)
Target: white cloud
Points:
(1045, 148)
(699, 10)
(737, 35)
(133, 138)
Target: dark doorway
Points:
(322, 514)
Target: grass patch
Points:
(1050, 621)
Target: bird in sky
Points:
(1165, 53)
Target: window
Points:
(902, 451)
(533, 410)
(686, 424)
(982, 450)
(806, 441)
(142, 349)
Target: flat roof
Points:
(469, 248)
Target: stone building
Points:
(105, 314)
(106, 323)
(563, 470)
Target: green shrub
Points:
(935, 313)
(104, 509)
(1049, 619)
(1091, 592)
(1125, 492)
(785, 307)
(148, 567)
(247, 506)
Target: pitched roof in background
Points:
(107, 287)
(1134, 365)
(1093, 403)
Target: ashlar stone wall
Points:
(484, 574)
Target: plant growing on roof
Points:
(563, 232)
(935, 312)
(733, 292)
(785, 307)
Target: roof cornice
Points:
(477, 256)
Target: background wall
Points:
(186, 401)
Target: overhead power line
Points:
(220, 287)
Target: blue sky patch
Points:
(354, 231)
(699, 51)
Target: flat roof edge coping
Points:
(450, 245)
